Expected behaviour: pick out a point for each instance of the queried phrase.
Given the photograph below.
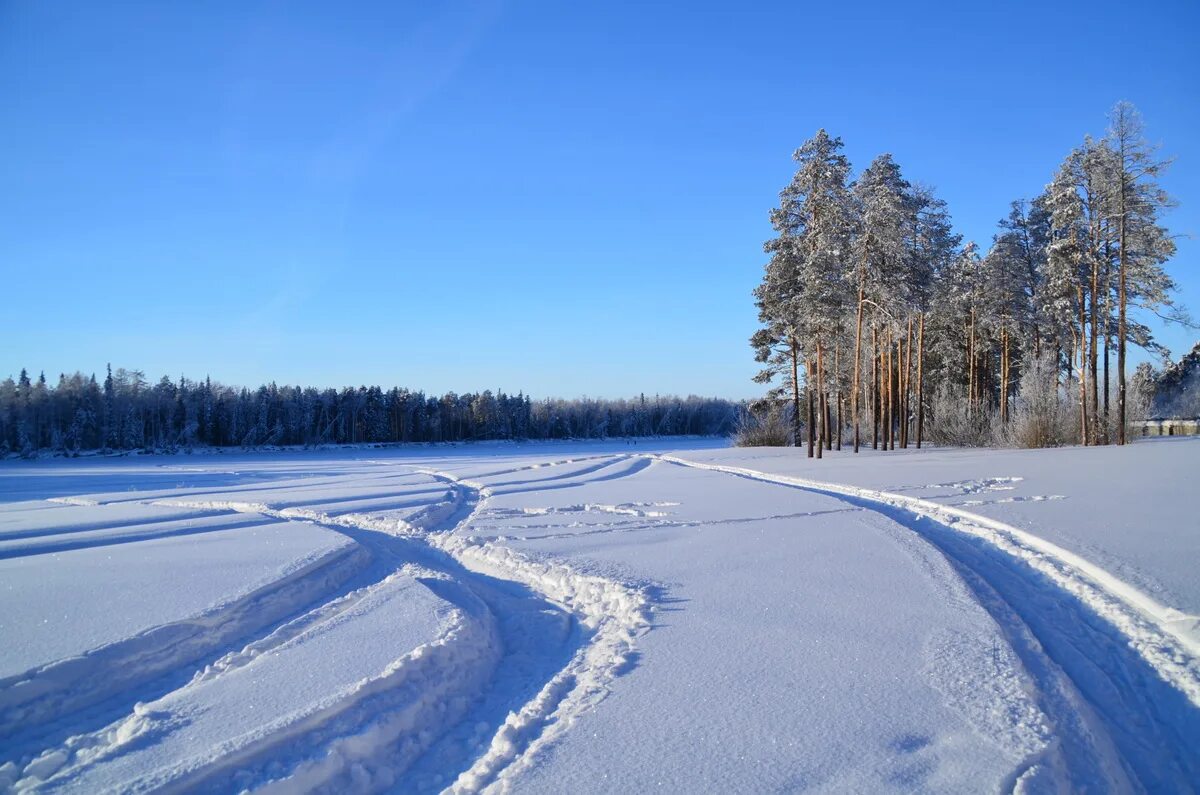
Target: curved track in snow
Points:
(1116, 673)
(528, 644)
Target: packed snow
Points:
(602, 616)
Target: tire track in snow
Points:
(602, 462)
(610, 616)
(427, 685)
(43, 698)
(69, 542)
(96, 688)
(335, 749)
(42, 707)
(604, 458)
(1119, 673)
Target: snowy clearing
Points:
(602, 617)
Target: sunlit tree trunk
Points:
(820, 402)
(876, 402)
(1106, 328)
(1004, 364)
(907, 392)
(854, 413)
(808, 391)
(1121, 329)
(971, 361)
(889, 435)
(795, 391)
(1092, 353)
(920, 380)
(837, 351)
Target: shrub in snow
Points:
(763, 426)
(954, 422)
(1043, 416)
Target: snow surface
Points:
(602, 617)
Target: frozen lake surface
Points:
(602, 617)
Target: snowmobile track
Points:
(1114, 671)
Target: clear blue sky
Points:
(564, 198)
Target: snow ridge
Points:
(611, 615)
(44, 694)
(614, 614)
(363, 740)
(1119, 648)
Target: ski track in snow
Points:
(531, 643)
(405, 729)
(1117, 671)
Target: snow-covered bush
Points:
(1042, 415)
(953, 422)
(1139, 400)
(764, 424)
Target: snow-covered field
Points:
(603, 617)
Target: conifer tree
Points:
(1137, 202)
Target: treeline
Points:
(1177, 388)
(875, 316)
(126, 412)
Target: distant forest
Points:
(126, 412)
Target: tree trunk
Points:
(857, 362)
(837, 391)
(1084, 419)
(841, 399)
(894, 394)
(1106, 325)
(1105, 424)
(920, 380)
(972, 378)
(898, 417)
(825, 424)
(1092, 351)
(1083, 423)
(876, 403)
(1121, 330)
(889, 436)
(795, 393)
(828, 423)
(885, 377)
(808, 392)
(1004, 375)
(907, 392)
(820, 401)
(898, 392)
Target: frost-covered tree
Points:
(880, 257)
(1143, 245)
(822, 226)
(804, 286)
(1067, 269)
(934, 246)
(777, 345)
(882, 260)
(1014, 268)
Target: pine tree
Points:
(821, 224)
(879, 254)
(1138, 202)
(934, 247)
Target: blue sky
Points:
(561, 198)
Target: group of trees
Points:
(871, 305)
(1177, 388)
(126, 412)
